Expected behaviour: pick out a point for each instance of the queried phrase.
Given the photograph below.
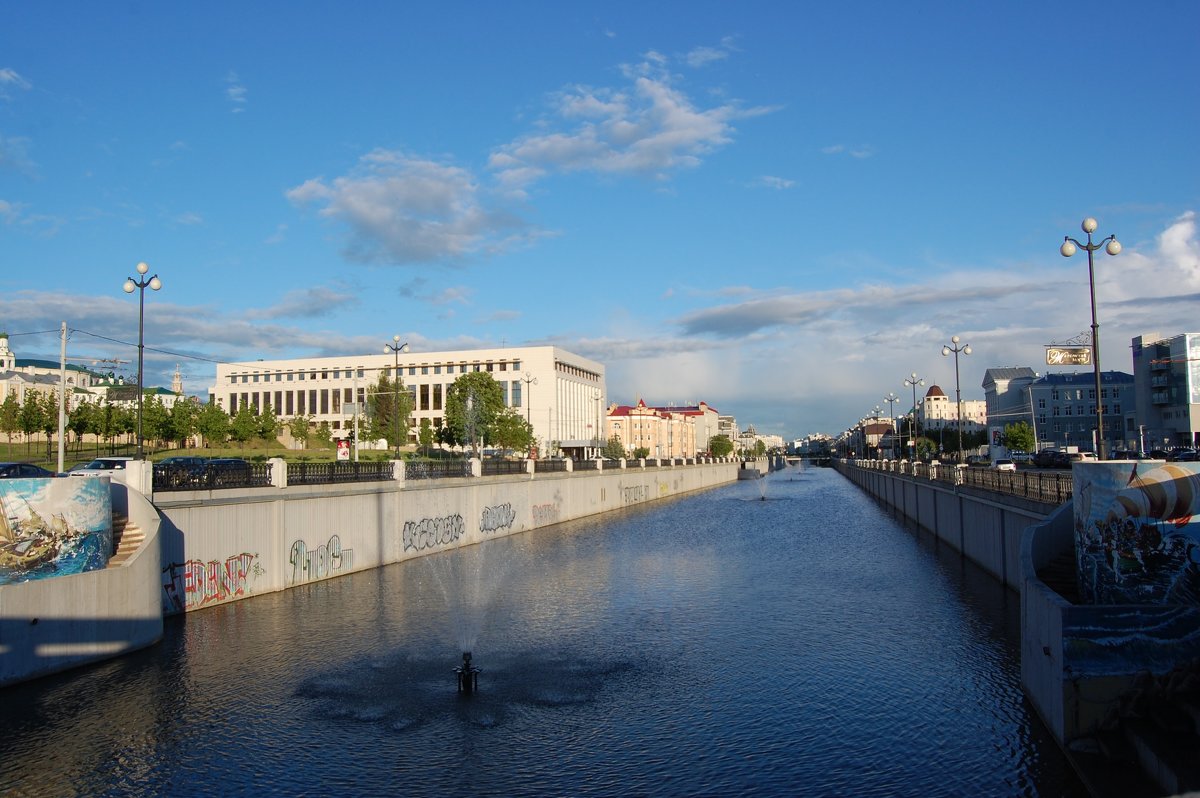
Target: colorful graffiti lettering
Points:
(497, 517)
(202, 583)
(430, 533)
(544, 514)
(326, 560)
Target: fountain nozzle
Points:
(468, 675)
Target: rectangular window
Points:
(312, 402)
(1091, 394)
(489, 365)
(300, 404)
(437, 369)
(424, 369)
(516, 393)
(1041, 404)
(300, 376)
(1117, 409)
(291, 403)
(278, 401)
(516, 365)
(1116, 392)
(1103, 393)
(233, 404)
(348, 395)
(437, 396)
(424, 397)
(1054, 395)
(1056, 411)
(290, 375)
(1067, 410)
(360, 373)
(324, 401)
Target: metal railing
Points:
(585, 465)
(212, 475)
(1053, 487)
(613, 465)
(331, 473)
(437, 469)
(547, 466)
(492, 467)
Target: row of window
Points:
(324, 401)
(347, 373)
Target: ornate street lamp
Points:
(395, 347)
(966, 350)
(914, 381)
(141, 284)
(1069, 247)
(891, 399)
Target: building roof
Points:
(935, 390)
(1083, 378)
(25, 362)
(994, 376)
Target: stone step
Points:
(127, 538)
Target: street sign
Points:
(1068, 356)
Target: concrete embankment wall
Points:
(986, 527)
(61, 622)
(225, 545)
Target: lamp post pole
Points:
(891, 399)
(966, 350)
(914, 381)
(395, 347)
(1113, 247)
(141, 284)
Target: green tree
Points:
(268, 424)
(183, 420)
(473, 403)
(80, 420)
(244, 426)
(425, 435)
(300, 429)
(156, 421)
(213, 424)
(510, 430)
(324, 434)
(1018, 437)
(10, 416)
(760, 448)
(50, 420)
(387, 400)
(720, 445)
(613, 449)
(640, 452)
(31, 416)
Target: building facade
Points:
(661, 432)
(561, 394)
(1064, 409)
(1166, 375)
(939, 415)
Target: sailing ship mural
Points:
(51, 527)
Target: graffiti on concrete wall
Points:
(432, 533)
(544, 514)
(196, 583)
(636, 493)
(328, 559)
(496, 518)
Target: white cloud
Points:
(189, 218)
(862, 151)
(307, 303)
(649, 127)
(235, 92)
(405, 210)
(14, 155)
(770, 181)
(9, 79)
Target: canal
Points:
(783, 636)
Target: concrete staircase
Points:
(126, 539)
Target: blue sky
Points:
(781, 209)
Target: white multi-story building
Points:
(561, 394)
(940, 412)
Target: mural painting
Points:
(328, 559)
(52, 527)
(432, 533)
(195, 583)
(1137, 545)
(496, 518)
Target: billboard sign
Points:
(1068, 356)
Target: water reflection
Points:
(802, 645)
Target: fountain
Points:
(468, 675)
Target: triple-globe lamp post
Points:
(966, 350)
(891, 399)
(141, 284)
(1113, 247)
(395, 347)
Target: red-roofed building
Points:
(663, 432)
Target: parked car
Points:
(1183, 456)
(1020, 457)
(1049, 458)
(224, 471)
(23, 471)
(180, 471)
(1004, 464)
(101, 466)
(1080, 457)
(978, 460)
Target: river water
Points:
(716, 644)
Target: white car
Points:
(101, 466)
(1004, 465)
